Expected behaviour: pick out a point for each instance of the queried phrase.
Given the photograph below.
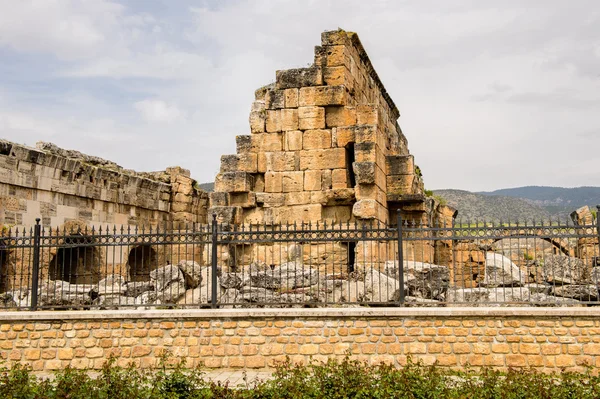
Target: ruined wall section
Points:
(319, 141)
(60, 185)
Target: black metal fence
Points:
(303, 265)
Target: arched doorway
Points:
(76, 261)
(141, 261)
(5, 269)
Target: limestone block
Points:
(318, 197)
(311, 118)
(364, 191)
(257, 117)
(274, 99)
(400, 184)
(336, 56)
(400, 164)
(335, 37)
(180, 207)
(364, 172)
(582, 216)
(322, 95)
(254, 215)
(269, 200)
(501, 271)
(326, 180)
(338, 75)
(289, 119)
(262, 162)
(340, 116)
(365, 209)
(340, 196)
(320, 58)
(343, 136)
(280, 161)
(246, 162)
(273, 182)
(366, 115)
(226, 214)
(297, 198)
(291, 98)
(365, 134)
(273, 121)
(312, 180)
(292, 181)
(219, 199)
(332, 158)
(244, 200)
(259, 183)
(292, 140)
(304, 213)
(300, 77)
(272, 142)
(247, 143)
(565, 270)
(339, 178)
(337, 214)
(368, 152)
(233, 182)
(316, 139)
(183, 198)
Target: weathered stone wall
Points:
(587, 247)
(70, 191)
(542, 339)
(325, 146)
(58, 185)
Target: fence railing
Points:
(302, 265)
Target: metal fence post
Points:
(400, 260)
(598, 230)
(213, 269)
(36, 264)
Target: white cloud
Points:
(158, 111)
(68, 29)
(490, 95)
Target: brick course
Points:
(546, 339)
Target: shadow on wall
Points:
(76, 261)
(5, 265)
(141, 261)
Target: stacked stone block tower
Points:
(325, 145)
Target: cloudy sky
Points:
(491, 94)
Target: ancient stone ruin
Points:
(325, 145)
(324, 149)
(81, 195)
(60, 185)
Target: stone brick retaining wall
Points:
(546, 339)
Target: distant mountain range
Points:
(521, 203)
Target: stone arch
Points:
(560, 244)
(142, 259)
(76, 262)
(7, 269)
(76, 259)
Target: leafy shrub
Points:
(334, 379)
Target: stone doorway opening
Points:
(76, 262)
(4, 267)
(141, 261)
(350, 158)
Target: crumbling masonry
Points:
(325, 146)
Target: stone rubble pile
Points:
(564, 281)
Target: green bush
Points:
(332, 380)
